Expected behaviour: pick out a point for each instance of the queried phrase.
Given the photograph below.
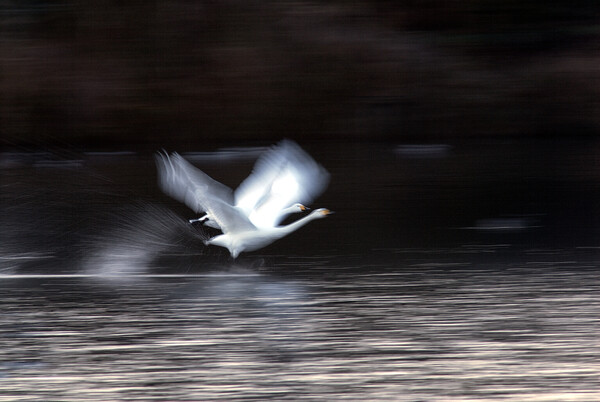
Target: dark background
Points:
(148, 74)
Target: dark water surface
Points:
(449, 272)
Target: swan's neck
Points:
(286, 211)
(287, 229)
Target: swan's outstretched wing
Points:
(200, 179)
(189, 185)
(284, 175)
(256, 187)
(175, 183)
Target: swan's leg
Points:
(201, 219)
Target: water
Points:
(439, 278)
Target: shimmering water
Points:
(406, 334)
(107, 293)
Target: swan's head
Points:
(299, 208)
(322, 212)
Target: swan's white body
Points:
(248, 218)
(294, 209)
(257, 238)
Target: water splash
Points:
(136, 237)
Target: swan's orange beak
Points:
(303, 208)
(326, 212)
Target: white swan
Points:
(248, 218)
(283, 175)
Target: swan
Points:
(283, 175)
(248, 217)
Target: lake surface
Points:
(449, 272)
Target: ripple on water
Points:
(429, 334)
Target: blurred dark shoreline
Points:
(180, 74)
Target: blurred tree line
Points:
(162, 72)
